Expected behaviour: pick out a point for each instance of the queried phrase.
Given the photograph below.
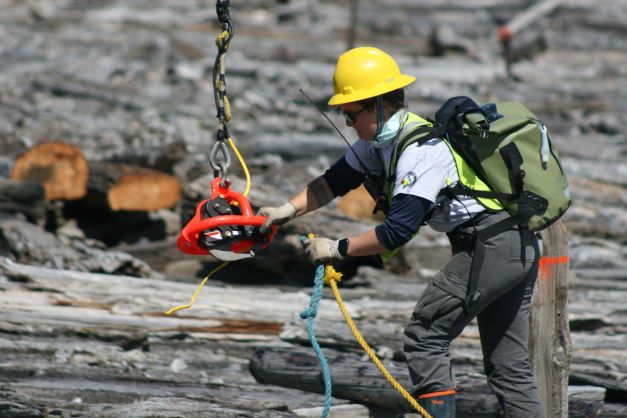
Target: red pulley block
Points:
(224, 226)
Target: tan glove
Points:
(276, 215)
(321, 250)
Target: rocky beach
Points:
(125, 89)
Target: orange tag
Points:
(547, 263)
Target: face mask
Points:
(390, 130)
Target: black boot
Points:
(439, 404)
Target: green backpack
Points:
(510, 150)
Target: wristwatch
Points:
(342, 247)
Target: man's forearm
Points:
(315, 195)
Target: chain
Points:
(220, 158)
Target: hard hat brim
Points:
(400, 81)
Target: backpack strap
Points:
(514, 160)
(479, 250)
(417, 134)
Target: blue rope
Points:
(310, 314)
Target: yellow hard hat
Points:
(365, 72)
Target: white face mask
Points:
(390, 130)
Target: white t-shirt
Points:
(423, 171)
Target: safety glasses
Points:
(351, 116)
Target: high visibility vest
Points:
(466, 174)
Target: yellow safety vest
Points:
(466, 174)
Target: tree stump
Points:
(60, 167)
(549, 335)
(125, 187)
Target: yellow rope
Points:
(220, 39)
(227, 108)
(331, 277)
(195, 295)
(244, 166)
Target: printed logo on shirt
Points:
(409, 179)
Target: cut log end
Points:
(358, 204)
(144, 190)
(60, 167)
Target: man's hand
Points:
(321, 250)
(276, 216)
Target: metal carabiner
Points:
(220, 164)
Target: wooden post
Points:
(549, 336)
(520, 22)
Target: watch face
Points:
(342, 247)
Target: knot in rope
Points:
(222, 41)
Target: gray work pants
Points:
(501, 306)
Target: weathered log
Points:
(161, 158)
(360, 381)
(62, 86)
(26, 197)
(61, 168)
(30, 244)
(511, 30)
(157, 296)
(124, 187)
(528, 17)
(352, 379)
(549, 335)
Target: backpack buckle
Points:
(484, 128)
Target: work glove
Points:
(276, 215)
(321, 250)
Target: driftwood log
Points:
(98, 345)
(119, 186)
(360, 381)
(30, 244)
(550, 345)
(26, 197)
(61, 168)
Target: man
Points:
(369, 90)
